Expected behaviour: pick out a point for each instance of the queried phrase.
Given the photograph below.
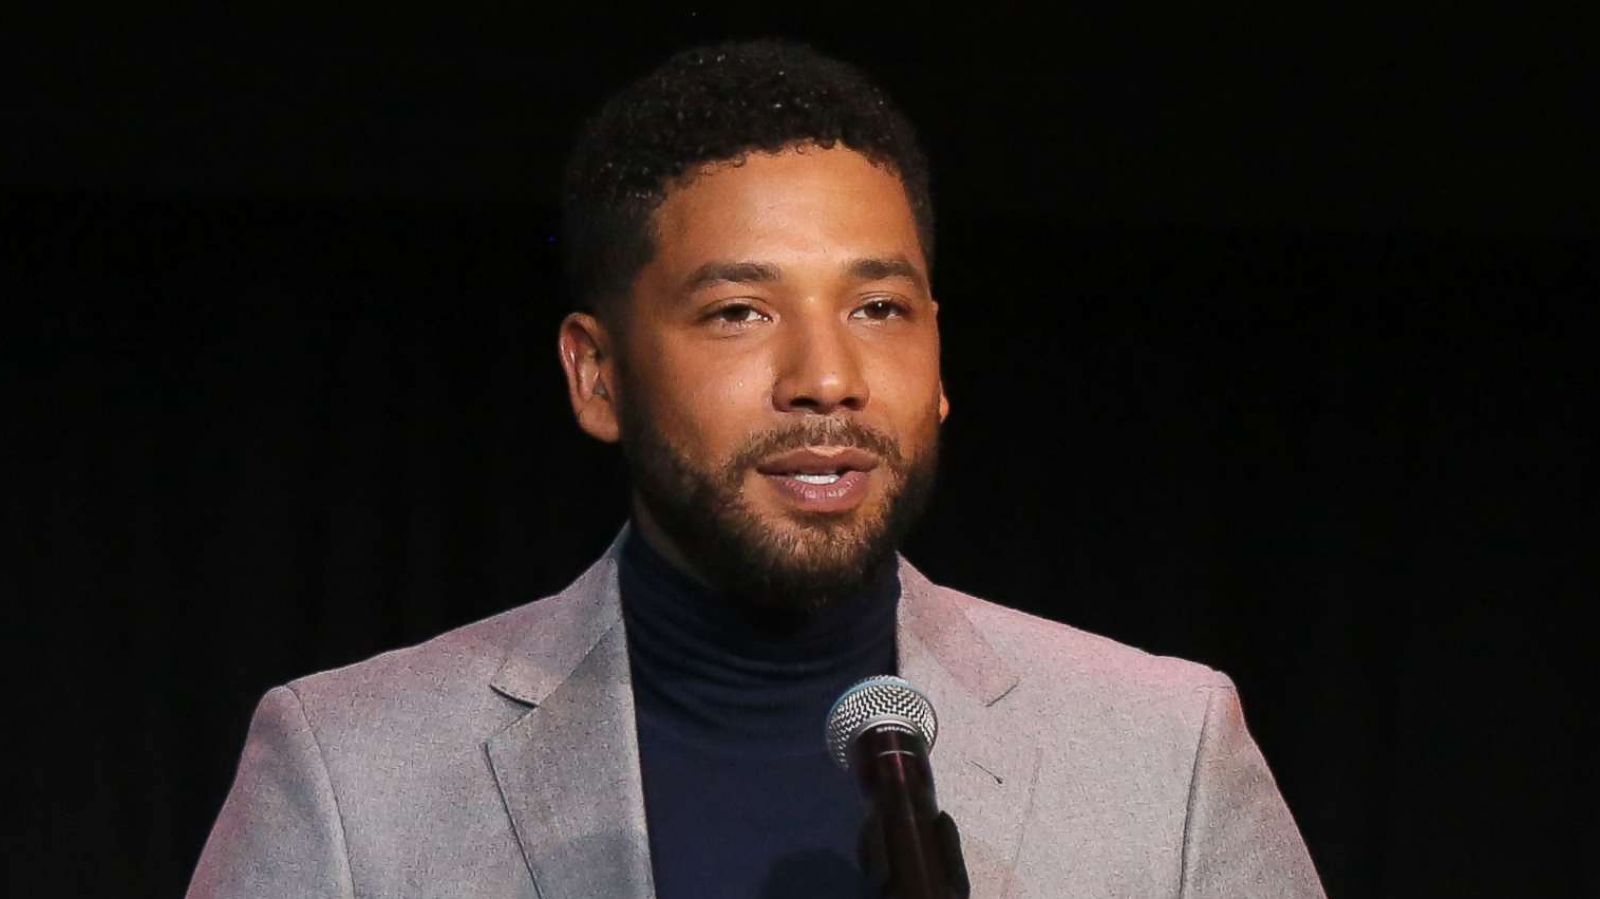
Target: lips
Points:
(820, 479)
(819, 461)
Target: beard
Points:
(790, 564)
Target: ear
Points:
(944, 401)
(587, 360)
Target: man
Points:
(748, 232)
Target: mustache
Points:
(822, 432)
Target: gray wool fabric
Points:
(500, 759)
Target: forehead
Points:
(801, 205)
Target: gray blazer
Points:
(500, 759)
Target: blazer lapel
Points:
(983, 774)
(568, 770)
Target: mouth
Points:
(819, 464)
(821, 478)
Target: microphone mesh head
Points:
(881, 700)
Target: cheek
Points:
(909, 388)
(704, 402)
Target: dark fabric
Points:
(741, 798)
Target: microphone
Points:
(882, 728)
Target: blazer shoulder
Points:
(457, 678)
(1032, 644)
(451, 672)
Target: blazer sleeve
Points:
(279, 832)
(1239, 838)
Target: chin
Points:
(807, 560)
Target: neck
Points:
(665, 547)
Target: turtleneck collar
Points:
(718, 673)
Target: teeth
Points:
(819, 479)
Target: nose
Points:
(819, 370)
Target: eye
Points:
(881, 309)
(735, 315)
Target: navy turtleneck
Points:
(741, 798)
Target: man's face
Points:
(776, 383)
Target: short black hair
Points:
(713, 104)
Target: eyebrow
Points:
(730, 273)
(881, 269)
(869, 269)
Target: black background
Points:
(1267, 340)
